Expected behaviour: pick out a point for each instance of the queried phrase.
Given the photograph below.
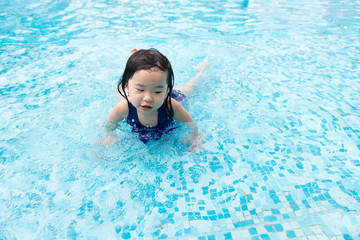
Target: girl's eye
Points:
(139, 90)
(158, 92)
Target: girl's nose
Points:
(148, 97)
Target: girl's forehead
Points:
(149, 78)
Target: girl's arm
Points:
(183, 116)
(180, 113)
(117, 114)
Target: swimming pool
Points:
(279, 107)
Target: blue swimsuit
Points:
(164, 124)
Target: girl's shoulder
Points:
(175, 103)
(180, 113)
(120, 111)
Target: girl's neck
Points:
(150, 120)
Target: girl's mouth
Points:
(146, 107)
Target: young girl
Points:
(150, 104)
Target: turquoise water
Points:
(279, 107)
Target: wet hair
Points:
(146, 59)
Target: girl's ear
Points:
(126, 89)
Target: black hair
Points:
(146, 59)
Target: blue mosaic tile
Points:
(278, 227)
(291, 234)
(269, 228)
(265, 237)
(179, 233)
(126, 235)
(252, 231)
(347, 237)
(250, 222)
(211, 237)
(275, 211)
(270, 218)
(228, 236)
(187, 231)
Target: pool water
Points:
(279, 108)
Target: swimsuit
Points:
(164, 125)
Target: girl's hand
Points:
(195, 140)
(108, 140)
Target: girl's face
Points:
(147, 90)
